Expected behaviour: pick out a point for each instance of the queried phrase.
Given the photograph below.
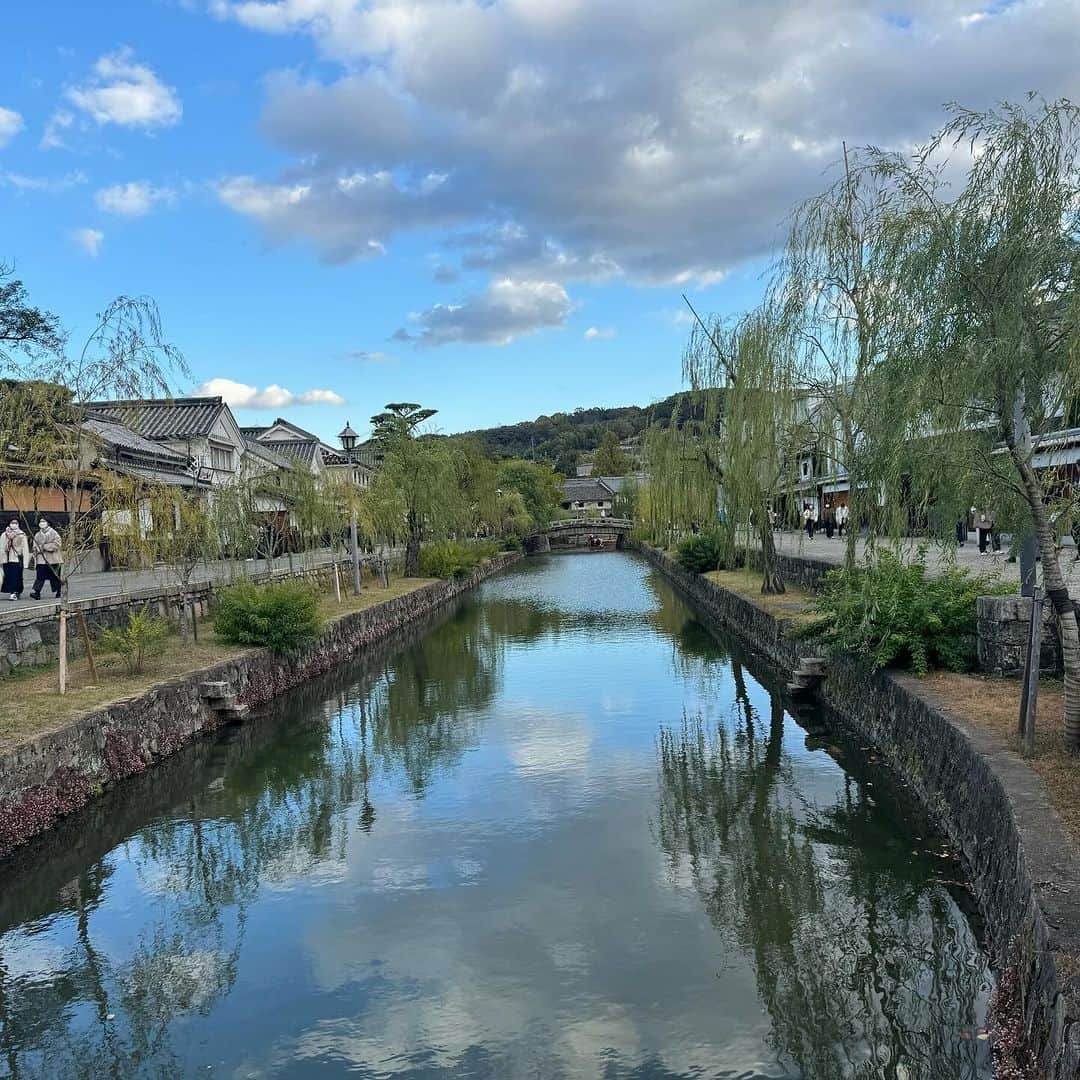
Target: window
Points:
(221, 459)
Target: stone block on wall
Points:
(1002, 631)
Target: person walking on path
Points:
(49, 560)
(808, 520)
(985, 524)
(830, 522)
(15, 550)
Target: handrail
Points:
(592, 523)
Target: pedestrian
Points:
(48, 560)
(961, 532)
(808, 521)
(830, 522)
(841, 518)
(984, 522)
(16, 558)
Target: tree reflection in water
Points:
(268, 807)
(866, 967)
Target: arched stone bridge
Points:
(581, 534)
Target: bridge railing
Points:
(590, 523)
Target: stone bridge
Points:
(581, 534)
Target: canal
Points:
(565, 833)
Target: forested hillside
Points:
(561, 437)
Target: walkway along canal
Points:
(566, 833)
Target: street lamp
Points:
(347, 438)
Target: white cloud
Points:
(53, 136)
(552, 140)
(50, 184)
(11, 123)
(371, 357)
(506, 310)
(600, 333)
(125, 92)
(133, 199)
(241, 396)
(90, 240)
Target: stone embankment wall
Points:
(30, 637)
(44, 779)
(1023, 868)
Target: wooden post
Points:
(88, 645)
(354, 543)
(337, 581)
(63, 651)
(194, 619)
(1029, 697)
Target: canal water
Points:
(566, 833)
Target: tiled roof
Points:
(253, 432)
(301, 451)
(116, 434)
(265, 451)
(299, 430)
(157, 476)
(175, 418)
(615, 483)
(586, 490)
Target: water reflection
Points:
(460, 858)
(857, 962)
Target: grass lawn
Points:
(995, 704)
(793, 605)
(30, 704)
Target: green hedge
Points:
(282, 616)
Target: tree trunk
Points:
(412, 547)
(853, 524)
(1056, 591)
(772, 581)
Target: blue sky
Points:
(435, 200)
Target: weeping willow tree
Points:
(992, 269)
(754, 441)
(44, 442)
(681, 492)
(836, 287)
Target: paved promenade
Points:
(796, 543)
(118, 583)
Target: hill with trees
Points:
(560, 438)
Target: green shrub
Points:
(143, 637)
(282, 616)
(698, 553)
(896, 614)
(454, 559)
(712, 549)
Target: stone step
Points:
(813, 665)
(214, 689)
(805, 680)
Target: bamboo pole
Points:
(1029, 698)
(63, 651)
(89, 646)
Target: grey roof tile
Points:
(170, 418)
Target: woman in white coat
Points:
(15, 554)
